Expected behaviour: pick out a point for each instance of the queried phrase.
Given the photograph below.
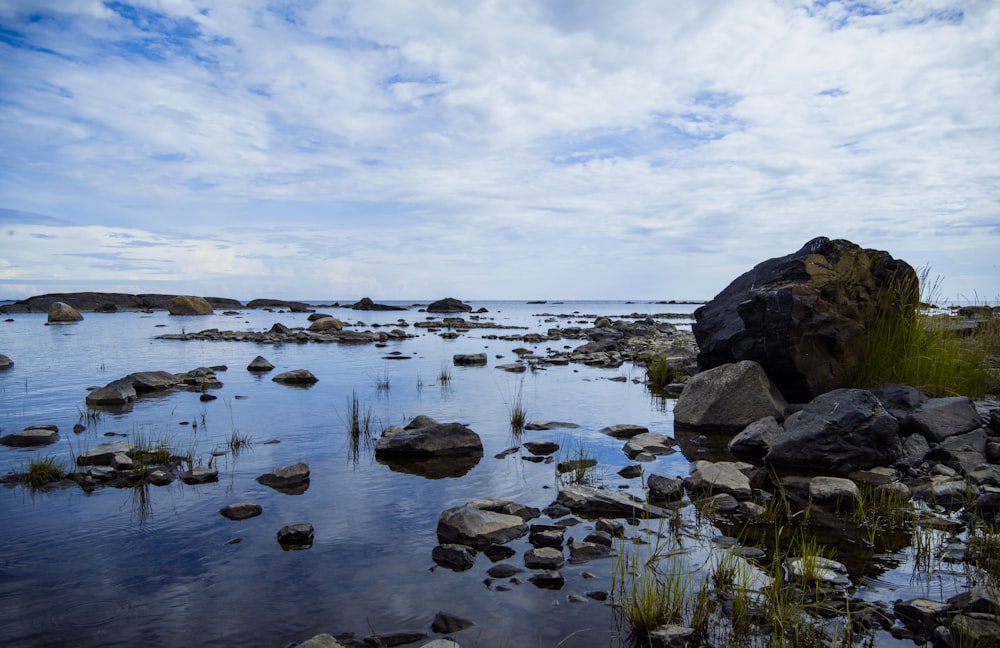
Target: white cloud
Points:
(414, 149)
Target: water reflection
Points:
(433, 467)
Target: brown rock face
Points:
(802, 317)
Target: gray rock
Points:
(941, 490)
(940, 418)
(200, 475)
(446, 623)
(962, 452)
(5, 362)
(711, 478)
(507, 507)
(674, 636)
(432, 440)
(478, 528)
(549, 425)
(63, 313)
(457, 557)
(833, 491)
(552, 579)
(448, 305)
(103, 453)
(321, 641)
(296, 536)
(544, 558)
(754, 441)
(915, 448)
(546, 535)
(541, 448)
(819, 569)
(116, 392)
(650, 443)
(189, 305)
(293, 476)
(844, 428)
(296, 377)
(728, 398)
(584, 551)
(665, 489)
(324, 324)
(31, 437)
(922, 615)
(503, 570)
(259, 365)
(153, 381)
(469, 360)
(513, 367)
(366, 304)
(900, 400)
(241, 510)
(597, 501)
(624, 430)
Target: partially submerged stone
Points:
(241, 510)
(292, 479)
(260, 364)
(296, 377)
(475, 527)
(62, 313)
(31, 437)
(103, 453)
(722, 477)
(189, 305)
(587, 500)
(296, 536)
(728, 398)
(431, 440)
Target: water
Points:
(128, 566)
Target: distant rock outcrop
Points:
(449, 305)
(367, 304)
(63, 313)
(98, 302)
(803, 316)
(280, 304)
(189, 305)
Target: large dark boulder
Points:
(804, 316)
(189, 305)
(433, 440)
(367, 304)
(842, 429)
(61, 313)
(449, 305)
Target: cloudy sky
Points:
(523, 149)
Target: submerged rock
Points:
(291, 479)
(5, 362)
(587, 500)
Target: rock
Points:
(296, 536)
(474, 527)
(31, 437)
(584, 551)
(948, 492)
(630, 472)
(441, 439)
(446, 623)
(915, 448)
(962, 453)
(507, 507)
(648, 443)
(457, 557)
(366, 304)
(575, 465)
(200, 475)
(548, 580)
(755, 439)
(321, 641)
(160, 477)
(279, 304)
(150, 381)
(665, 489)
(259, 365)
(597, 501)
(712, 478)
(818, 570)
(844, 428)
(326, 324)
(624, 430)
(5, 362)
(974, 630)
(674, 636)
(296, 377)
(116, 392)
(103, 453)
(922, 615)
(512, 367)
(939, 418)
(441, 643)
(241, 511)
(294, 477)
(63, 313)
(728, 398)
(189, 305)
(503, 570)
(448, 305)
(546, 535)
(803, 316)
(549, 425)
(498, 552)
(900, 400)
(470, 360)
(833, 491)
(544, 558)
(541, 448)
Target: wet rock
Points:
(279, 304)
(665, 489)
(160, 477)
(549, 425)
(324, 324)
(456, 557)
(321, 641)
(614, 528)
(599, 537)
(552, 580)
(103, 453)
(900, 400)
(469, 360)
(575, 465)
(30, 437)
(940, 418)
(833, 491)
(546, 535)
(447, 623)
(296, 536)
(200, 475)
(949, 492)
(674, 636)
(630, 472)
(116, 392)
(728, 398)
(584, 551)
(921, 616)
(293, 478)
(259, 365)
(448, 305)
(62, 313)
(804, 317)
(974, 630)
(624, 430)
(915, 448)
(754, 441)
(366, 304)
(648, 443)
(513, 367)
(709, 478)
(962, 453)
(5, 362)
(541, 448)
(189, 305)
(296, 377)
(241, 510)
(817, 569)
(595, 501)
(475, 527)
(720, 503)
(503, 570)
(431, 440)
(498, 552)
(844, 428)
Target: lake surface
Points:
(156, 565)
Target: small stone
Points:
(543, 558)
(296, 536)
(200, 475)
(241, 511)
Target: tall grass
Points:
(663, 370)
(359, 424)
(42, 471)
(933, 353)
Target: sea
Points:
(160, 566)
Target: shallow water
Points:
(121, 566)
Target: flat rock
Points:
(469, 360)
(475, 527)
(296, 377)
(31, 437)
(549, 425)
(430, 440)
(624, 430)
(651, 443)
(286, 477)
(544, 558)
(241, 510)
(541, 448)
(721, 477)
(584, 551)
(116, 392)
(587, 500)
(103, 453)
(457, 557)
(200, 475)
(296, 536)
(940, 418)
(833, 491)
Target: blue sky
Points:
(525, 149)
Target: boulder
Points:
(63, 313)
(366, 304)
(939, 418)
(433, 440)
(189, 305)
(477, 528)
(296, 377)
(833, 491)
(457, 557)
(296, 536)
(447, 623)
(241, 510)
(755, 439)
(728, 398)
(103, 453)
(31, 437)
(448, 305)
(900, 400)
(150, 381)
(259, 365)
(803, 316)
(665, 489)
(326, 324)
(842, 429)
(284, 478)
(584, 551)
(713, 478)
(507, 507)
(544, 558)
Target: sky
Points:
(509, 149)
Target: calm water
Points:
(129, 566)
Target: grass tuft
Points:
(42, 471)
